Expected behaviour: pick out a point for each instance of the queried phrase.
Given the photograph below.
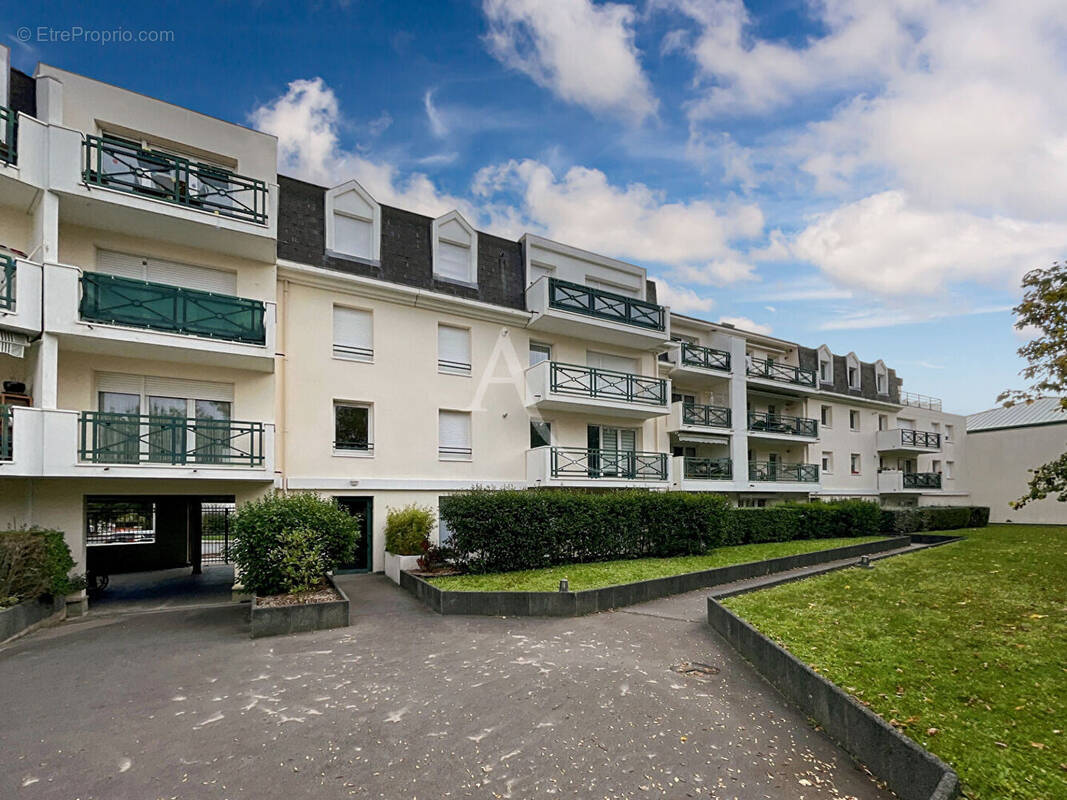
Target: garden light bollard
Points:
(865, 562)
(563, 585)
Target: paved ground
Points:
(165, 588)
(403, 704)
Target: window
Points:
(687, 452)
(824, 371)
(540, 352)
(455, 249)
(540, 433)
(935, 466)
(935, 427)
(949, 467)
(950, 431)
(752, 502)
(353, 335)
(854, 462)
(826, 365)
(826, 416)
(119, 520)
(352, 428)
(827, 463)
(171, 273)
(854, 419)
(852, 371)
(881, 377)
(353, 222)
(454, 435)
(883, 422)
(444, 532)
(453, 350)
(684, 399)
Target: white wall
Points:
(999, 462)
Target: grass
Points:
(963, 648)
(598, 574)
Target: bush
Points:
(933, 518)
(495, 531)
(34, 562)
(407, 529)
(278, 538)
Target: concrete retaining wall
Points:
(30, 615)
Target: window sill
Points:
(461, 373)
(443, 457)
(455, 281)
(353, 359)
(353, 453)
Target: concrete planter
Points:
(279, 620)
(30, 615)
(394, 565)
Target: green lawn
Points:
(963, 648)
(611, 573)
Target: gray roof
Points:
(1045, 411)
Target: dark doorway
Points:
(363, 507)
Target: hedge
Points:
(503, 530)
(408, 529)
(34, 562)
(933, 518)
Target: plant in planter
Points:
(35, 567)
(407, 533)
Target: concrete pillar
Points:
(739, 412)
(5, 75)
(49, 100)
(44, 382)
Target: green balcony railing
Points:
(912, 438)
(922, 480)
(708, 469)
(7, 283)
(9, 135)
(109, 438)
(761, 421)
(608, 464)
(706, 416)
(141, 304)
(7, 433)
(567, 296)
(125, 165)
(695, 355)
(772, 370)
(606, 384)
(777, 471)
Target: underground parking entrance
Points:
(145, 551)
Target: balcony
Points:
(892, 481)
(7, 430)
(906, 440)
(9, 135)
(694, 360)
(781, 426)
(695, 418)
(778, 472)
(555, 386)
(20, 295)
(571, 309)
(920, 401)
(7, 283)
(99, 313)
(773, 373)
(581, 466)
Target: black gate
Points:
(215, 536)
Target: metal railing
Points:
(606, 384)
(710, 416)
(125, 165)
(7, 432)
(920, 401)
(109, 438)
(922, 480)
(142, 304)
(708, 469)
(359, 445)
(594, 463)
(9, 135)
(215, 539)
(782, 423)
(771, 370)
(567, 296)
(7, 283)
(777, 471)
(695, 355)
(913, 438)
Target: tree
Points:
(1044, 310)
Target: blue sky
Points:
(876, 177)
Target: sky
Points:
(875, 177)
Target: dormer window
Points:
(852, 364)
(455, 249)
(826, 365)
(353, 223)
(881, 377)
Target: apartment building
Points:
(185, 328)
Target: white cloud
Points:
(437, 123)
(881, 316)
(306, 120)
(887, 245)
(633, 222)
(681, 298)
(746, 324)
(582, 51)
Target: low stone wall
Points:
(909, 770)
(30, 615)
(395, 564)
(279, 620)
(590, 601)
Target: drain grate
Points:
(695, 669)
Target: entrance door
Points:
(363, 507)
(614, 451)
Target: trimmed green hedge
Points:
(503, 530)
(933, 518)
(408, 529)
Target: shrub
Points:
(277, 538)
(34, 562)
(407, 529)
(933, 518)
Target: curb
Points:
(591, 601)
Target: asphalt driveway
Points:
(402, 704)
